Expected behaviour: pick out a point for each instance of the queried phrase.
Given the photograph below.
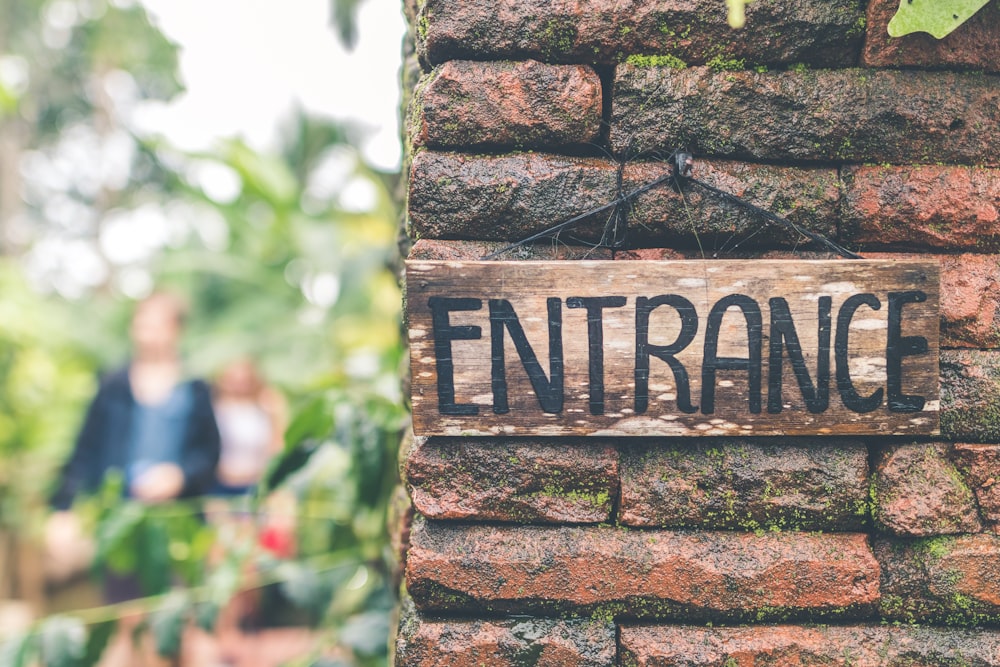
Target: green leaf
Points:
(17, 651)
(206, 615)
(345, 19)
(63, 641)
(100, 635)
(153, 556)
(937, 17)
(167, 624)
(367, 633)
(116, 537)
(314, 421)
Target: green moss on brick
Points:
(664, 60)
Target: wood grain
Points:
(552, 348)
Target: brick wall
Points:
(779, 551)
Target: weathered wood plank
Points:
(760, 347)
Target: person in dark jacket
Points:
(147, 422)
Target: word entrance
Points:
(673, 348)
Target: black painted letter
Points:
(848, 394)
(444, 333)
(783, 334)
(667, 353)
(897, 347)
(711, 362)
(548, 390)
(595, 306)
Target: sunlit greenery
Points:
(287, 257)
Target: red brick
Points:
(981, 466)
(642, 574)
(970, 395)
(521, 480)
(819, 33)
(424, 642)
(746, 484)
(846, 115)
(951, 580)
(464, 104)
(510, 197)
(919, 492)
(779, 646)
(923, 207)
(974, 45)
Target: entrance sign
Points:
(678, 348)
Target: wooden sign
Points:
(679, 348)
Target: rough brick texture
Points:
(923, 207)
(952, 580)
(777, 646)
(509, 104)
(505, 197)
(432, 249)
(523, 480)
(746, 484)
(981, 467)
(824, 115)
(642, 574)
(919, 492)
(819, 33)
(974, 45)
(504, 643)
(970, 395)
(701, 220)
(509, 197)
(898, 159)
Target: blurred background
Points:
(245, 155)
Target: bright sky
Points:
(247, 63)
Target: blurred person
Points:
(148, 422)
(251, 419)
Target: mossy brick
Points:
(433, 249)
(806, 197)
(513, 479)
(945, 580)
(624, 573)
(516, 642)
(980, 464)
(919, 492)
(758, 484)
(826, 34)
(974, 45)
(469, 105)
(510, 197)
(970, 395)
(831, 116)
(505, 197)
(926, 206)
(836, 646)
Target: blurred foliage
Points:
(44, 379)
(287, 257)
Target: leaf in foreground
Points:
(937, 17)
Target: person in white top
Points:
(251, 419)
